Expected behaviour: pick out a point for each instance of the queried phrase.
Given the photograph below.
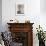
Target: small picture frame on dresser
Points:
(19, 9)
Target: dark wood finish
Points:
(22, 27)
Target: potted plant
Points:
(41, 36)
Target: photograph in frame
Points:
(19, 9)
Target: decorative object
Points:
(45, 35)
(7, 38)
(19, 8)
(27, 21)
(1, 40)
(13, 21)
(41, 36)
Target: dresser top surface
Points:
(19, 23)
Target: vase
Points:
(41, 43)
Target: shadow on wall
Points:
(0, 15)
(43, 6)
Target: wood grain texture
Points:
(23, 27)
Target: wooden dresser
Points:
(22, 33)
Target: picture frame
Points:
(19, 8)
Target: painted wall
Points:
(0, 15)
(43, 14)
(32, 11)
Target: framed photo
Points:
(19, 9)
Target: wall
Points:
(32, 8)
(0, 15)
(33, 12)
(43, 14)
